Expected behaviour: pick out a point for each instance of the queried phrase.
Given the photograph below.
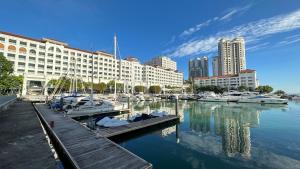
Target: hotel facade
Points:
(39, 61)
(244, 78)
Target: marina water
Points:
(222, 135)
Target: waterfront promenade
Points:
(22, 142)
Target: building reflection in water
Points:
(230, 121)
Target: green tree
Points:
(188, 89)
(279, 92)
(264, 89)
(216, 89)
(139, 89)
(154, 89)
(101, 87)
(6, 67)
(243, 88)
(8, 81)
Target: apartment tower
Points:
(198, 67)
(232, 56)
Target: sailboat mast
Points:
(92, 79)
(115, 55)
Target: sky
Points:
(181, 30)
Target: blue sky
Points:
(179, 29)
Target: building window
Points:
(32, 52)
(33, 45)
(2, 39)
(11, 56)
(11, 48)
(1, 46)
(51, 49)
(12, 41)
(42, 47)
(42, 53)
(22, 50)
(23, 43)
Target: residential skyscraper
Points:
(198, 67)
(216, 62)
(232, 56)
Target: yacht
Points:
(90, 107)
(263, 99)
(212, 97)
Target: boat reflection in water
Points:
(230, 121)
(218, 128)
(222, 135)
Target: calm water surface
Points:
(221, 135)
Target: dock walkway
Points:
(23, 143)
(83, 148)
(114, 131)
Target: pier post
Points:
(128, 102)
(176, 105)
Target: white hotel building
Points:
(42, 60)
(244, 78)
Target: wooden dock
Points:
(135, 126)
(79, 147)
(106, 113)
(23, 143)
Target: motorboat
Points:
(212, 97)
(263, 99)
(92, 107)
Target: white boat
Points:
(140, 97)
(90, 107)
(296, 97)
(212, 97)
(124, 98)
(263, 99)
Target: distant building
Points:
(216, 62)
(232, 56)
(164, 62)
(40, 60)
(244, 78)
(198, 67)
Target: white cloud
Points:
(289, 40)
(253, 32)
(195, 29)
(258, 46)
(234, 11)
(230, 13)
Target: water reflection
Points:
(219, 128)
(230, 121)
(229, 133)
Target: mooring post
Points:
(128, 102)
(176, 105)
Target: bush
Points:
(279, 92)
(154, 89)
(242, 88)
(264, 89)
(216, 89)
(139, 89)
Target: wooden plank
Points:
(88, 150)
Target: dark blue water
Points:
(221, 135)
